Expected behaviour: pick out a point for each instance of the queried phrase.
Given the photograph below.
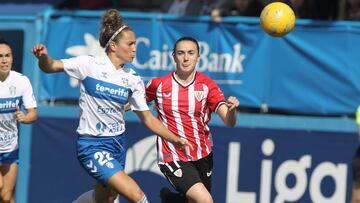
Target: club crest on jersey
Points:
(178, 173)
(199, 95)
(12, 90)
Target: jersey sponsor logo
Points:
(108, 110)
(6, 138)
(106, 91)
(8, 105)
(199, 95)
(7, 122)
(111, 128)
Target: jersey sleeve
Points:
(28, 95)
(137, 100)
(150, 91)
(75, 67)
(215, 96)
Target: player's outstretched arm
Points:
(159, 129)
(46, 63)
(227, 112)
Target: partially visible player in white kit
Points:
(15, 91)
(106, 86)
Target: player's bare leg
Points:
(120, 183)
(199, 194)
(8, 172)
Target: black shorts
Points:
(183, 175)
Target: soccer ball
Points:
(277, 19)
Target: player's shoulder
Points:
(18, 76)
(85, 59)
(130, 71)
(203, 78)
(155, 82)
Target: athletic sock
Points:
(143, 200)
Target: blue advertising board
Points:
(251, 165)
(312, 70)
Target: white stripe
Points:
(192, 103)
(160, 147)
(204, 117)
(161, 111)
(219, 104)
(176, 164)
(143, 200)
(169, 167)
(165, 122)
(175, 110)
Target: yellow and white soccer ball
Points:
(277, 19)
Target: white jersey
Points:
(15, 91)
(104, 91)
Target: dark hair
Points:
(111, 22)
(186, 39)
(3, 41)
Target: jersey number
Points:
(103, 157)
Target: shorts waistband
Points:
(98, 137)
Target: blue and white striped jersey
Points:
(16, 90)
(104, 91)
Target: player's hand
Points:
(19, 115)
(232, 103)
(185, 146)
(39, 50)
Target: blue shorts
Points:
(9, 157)
(102, 157)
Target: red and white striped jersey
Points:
(185, 111)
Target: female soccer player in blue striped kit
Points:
(107, 83)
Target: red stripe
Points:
(167, 104)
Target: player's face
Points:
(126, 46)
(6, 59)
(186, 56)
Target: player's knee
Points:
(112, 196)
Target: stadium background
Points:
(311, 75)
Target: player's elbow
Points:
(230, 123)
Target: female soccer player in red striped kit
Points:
(184, 101)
